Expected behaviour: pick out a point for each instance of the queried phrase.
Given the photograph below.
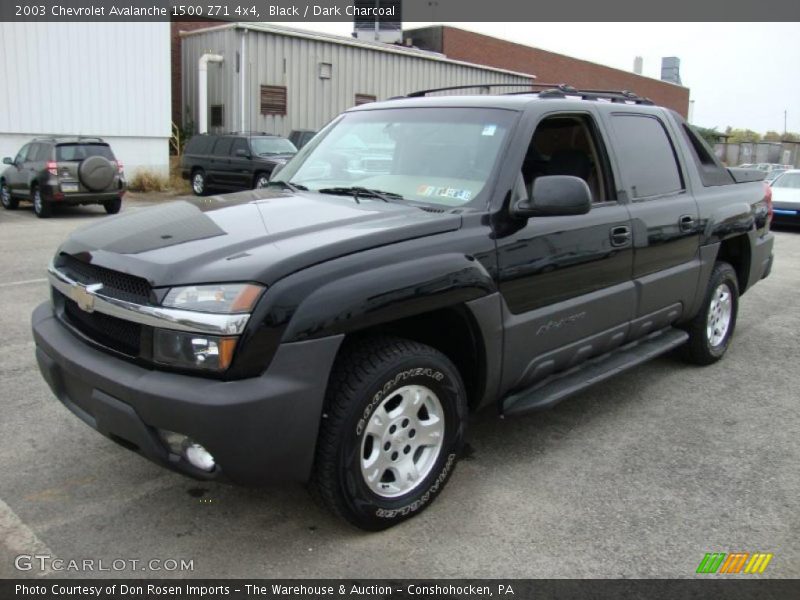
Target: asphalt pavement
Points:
(639, 476)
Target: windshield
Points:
(433, 155)
(265, 146)
(788, 180)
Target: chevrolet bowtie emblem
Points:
(84, 295)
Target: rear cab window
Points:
(79, 152)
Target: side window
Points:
(20, 158)
(569, 144)
(42, 153)
(239, 144)
(646, 156)
(223, 146)
(200, 144)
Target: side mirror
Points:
(7, 161)
(241, 153)
(555, 196)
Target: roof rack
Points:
(249, 133)
(423, 93)
(551, 90)
(563, 90)
(56, 138)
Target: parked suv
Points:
(63, 171)
(339, 327)
(235, 161)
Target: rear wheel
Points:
(8, 202)
(112, 206)
(711, 330)
(41, 207)
(394, 425)
(199, 183)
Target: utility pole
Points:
(784, 123)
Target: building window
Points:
(364, 99)
(325, 70)
(217, 115)
(273, 100)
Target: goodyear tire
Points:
(394, 425)
(711, 329)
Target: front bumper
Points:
(259, 430)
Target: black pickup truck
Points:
(419, 259)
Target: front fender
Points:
(389, 293)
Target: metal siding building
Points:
(257, 54)
(102, 79)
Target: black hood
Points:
(277, 159)
(258, 235)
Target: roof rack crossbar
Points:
(423, 93)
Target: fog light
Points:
(174, 441)
(198, 456)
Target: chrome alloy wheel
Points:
(402, 441)
(720, 311)
(37, 201)
(5, 195)
(262, 182)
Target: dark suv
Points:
(234, 161)
(65, 170)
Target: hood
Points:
(278, 159)
(257, 235)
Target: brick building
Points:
(550, 67)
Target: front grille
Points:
(115, 284)
(116, 334)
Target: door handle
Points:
(686, 223)
(620, 236)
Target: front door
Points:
(17, 174)
(566, 280)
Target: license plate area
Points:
(69, 187)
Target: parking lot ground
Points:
(639, 476)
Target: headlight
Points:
(193, 350)
(221, 298)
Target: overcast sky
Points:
(740, 74)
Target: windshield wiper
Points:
(357, 191)
(289, 186)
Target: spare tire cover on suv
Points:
(96, 173)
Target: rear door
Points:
(241, 164)
(219, 163)
(69, 158)
(664, 217)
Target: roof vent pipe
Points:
(202, 90)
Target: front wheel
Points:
(41, 207)
(711, 329)
(8, 202)
(395, 422)
(262, 181)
